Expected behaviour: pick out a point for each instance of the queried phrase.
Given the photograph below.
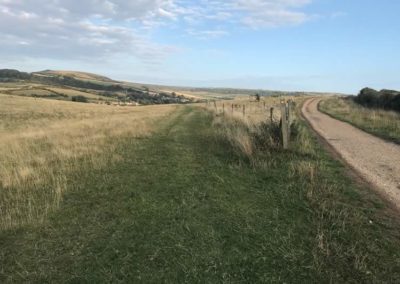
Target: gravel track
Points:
(376, 160)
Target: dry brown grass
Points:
(72, 92)
(239, 128)
(47, 91)
(31, 92)
(43, 140)
(78, 75)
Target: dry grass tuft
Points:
(252, 130)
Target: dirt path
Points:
(376, 160)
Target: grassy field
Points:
(43, 140)
(72, 92)
(59, 93)
(77, 75)
(175, 198)
(385, 124)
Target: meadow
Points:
(183, 194)
(51, 92)
(43, 140)
(379, 122)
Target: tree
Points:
(79, 99)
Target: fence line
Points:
(286, 114)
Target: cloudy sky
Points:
(315, 45)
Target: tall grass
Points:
(383, 123)
(254, 131)
(42, 141)
(347, 220)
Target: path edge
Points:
(391, 207)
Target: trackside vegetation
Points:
(187, 204)
(379, 122)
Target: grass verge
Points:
(382, 123)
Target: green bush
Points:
(79, 99)
(385, 99)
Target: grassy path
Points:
(180, 207)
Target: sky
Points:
(290, 45)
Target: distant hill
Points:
(68, 85)
(76, 75)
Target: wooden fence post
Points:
(284, 125)
(215, 106)
(290, 116)
(223, 109)
(244, 110)
(271, 114)
(232, 108)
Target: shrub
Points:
(385, 99)
(79, 99)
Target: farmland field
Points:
(94, 193)
(52, 92)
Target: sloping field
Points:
(77, 75)
(168, 195)
(32, 92)
(46, 91)
(73, 92)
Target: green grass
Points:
(382, 123)
(182, 206)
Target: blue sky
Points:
(304, 45)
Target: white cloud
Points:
(207, 34)
(97, 29)
(251, 13)
(73, 29)
(272, 13)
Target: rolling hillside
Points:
(82, 87)
(76, 75)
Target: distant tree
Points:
(368, 97)
(79, 99)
